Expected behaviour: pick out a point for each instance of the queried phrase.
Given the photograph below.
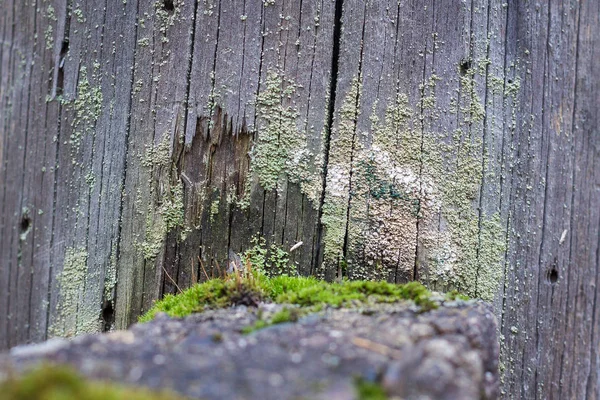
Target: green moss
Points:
(51, 382)
(258, 325)
(285, 315)
(366, 390)
(302, 291)
(345, 293)
(211, 293)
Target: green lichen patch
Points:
(53, 382)
(165, 201)
(281, 148)
(271, 261)
(87, 106)
(251, 287)
(71, 320)
(166, 18)
(169, 215)
(407, 187)
(343, 148)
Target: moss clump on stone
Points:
(62, 383)
(251, 287)
(366, 390)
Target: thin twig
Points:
(376, 347)
(172, 280)
(203, 270)
(194, 278)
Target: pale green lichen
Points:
(209, 7)
(214, 209)
(269, 260)
(166, 18)
(51, 13)
(90, 179)
(144, 42)
(110, 276)
(343, 145)
(78, 13)
(87, 106)
(281, 148)
(413, 183)
(168, 216)
(72, 316)
(49, 36)
(167, 207)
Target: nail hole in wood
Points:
(552, 274)
(169, 5)
(25, 223)
(465, 66)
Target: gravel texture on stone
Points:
(447, 353)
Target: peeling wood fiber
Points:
(451, 142)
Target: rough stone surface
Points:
(447, 353)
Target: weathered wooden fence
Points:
(454, 142)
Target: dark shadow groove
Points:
(337, 36)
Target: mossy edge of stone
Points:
(49, 381)
(366, 390)
(301, 291)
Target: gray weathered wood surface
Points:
(454, 142)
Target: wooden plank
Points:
(17, 217)
(7, 79)
(584, 291)
(448, 59)
(547, 222)
(152, 204)
(83, 81)
(383, 140)
(40, 174)
(217, 137)
(276, 77)
(341, 141)
(266, 67)
(459, 141)
(527, 205)
(109, 160)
